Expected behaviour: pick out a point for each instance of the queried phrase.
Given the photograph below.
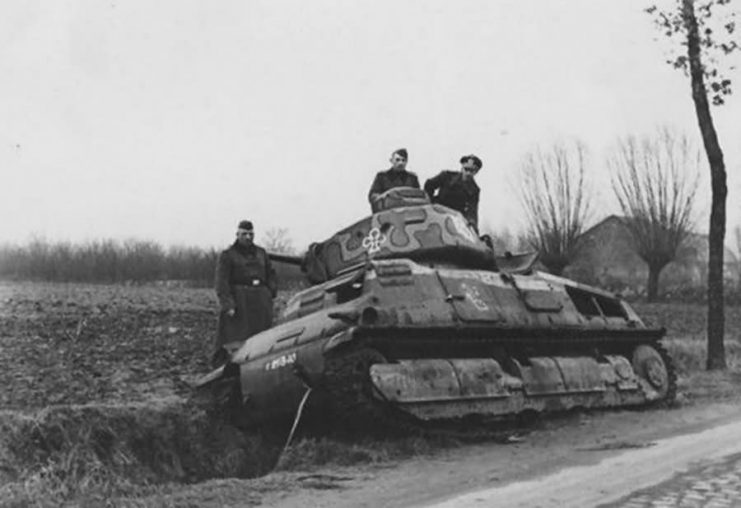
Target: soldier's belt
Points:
(250, 284)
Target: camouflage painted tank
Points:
(413, 319)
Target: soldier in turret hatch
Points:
(245, 286)
(458, 189)
(395, 176)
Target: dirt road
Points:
(581, 460)
(613, 477)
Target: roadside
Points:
(580, 439)
(633, 474)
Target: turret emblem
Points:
(374, 240)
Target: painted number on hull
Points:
(472, 293)
(281, 361)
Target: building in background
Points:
(606, 258)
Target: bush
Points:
(699, 294)
(110, 261)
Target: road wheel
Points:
(652, 367)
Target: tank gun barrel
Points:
(286, 258)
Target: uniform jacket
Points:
(389, 179)
(456, 193)
(242, 266)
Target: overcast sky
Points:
(173, 120)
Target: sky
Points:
(172, 120)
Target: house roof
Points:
(694, 238)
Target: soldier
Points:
(395, 176)
(245, 286)
(458, 190)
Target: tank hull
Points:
(402, 344)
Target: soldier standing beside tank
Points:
(245, 286)
(458, 190)
(395, 176)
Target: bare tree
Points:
(277, 240)
(655, 180)
(553, 192)
(706, 31)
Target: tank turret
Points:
(405, 225)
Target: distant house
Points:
(607, 259)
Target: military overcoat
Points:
(245, 282)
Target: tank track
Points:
(359, 406)
(352, 394)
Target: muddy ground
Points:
(96, 407)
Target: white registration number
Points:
(281, 361)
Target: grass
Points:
(311, 452)
(95, 452)
(688, 321)
(685, 340)
(690, 355)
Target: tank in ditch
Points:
(411, 319)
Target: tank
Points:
(411, 319)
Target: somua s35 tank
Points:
(412, 319)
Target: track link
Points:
(361, 407)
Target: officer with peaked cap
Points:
(458, 189)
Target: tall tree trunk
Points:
(716, 321)
(653, 282)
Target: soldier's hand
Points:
(230, 312)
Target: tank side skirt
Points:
(376, 394)
(503, 333)
(420, 341)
